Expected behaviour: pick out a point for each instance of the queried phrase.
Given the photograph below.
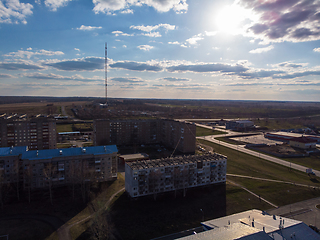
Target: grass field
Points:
(244, 164)
(64, 128)
(200, 131)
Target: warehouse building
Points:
(37, 133)
(173, 134)
(35, 168)
(240, 125)
(148, 177)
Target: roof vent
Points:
(60, 152)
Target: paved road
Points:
(305, 211)
(241, 148)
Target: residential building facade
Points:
(174, 134)
(146, 177)
(58, 167)
(37, 133)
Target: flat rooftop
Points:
(128, 157)
(175, 161)
(260, 220)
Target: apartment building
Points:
(146, 177)
(35, 168)
(174, 134)
(37, 133)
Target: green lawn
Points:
(64, 128)
(244, 164)
(277, 193)
(200, 131)
(310, 162)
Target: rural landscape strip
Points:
(271, 180)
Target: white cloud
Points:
(145, 47)
(175, 43)
(194, 40)
(282, 20)
(127, 11)
(152, 34)
(120, 33)
(124, 46)
(155, 27)
(88, 28)
(261, 50)
(316, 50)
(51, 76)
(110, 6)
(12, 11)
(55, 4)
(77, 49)
(29, 53)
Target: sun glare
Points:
(230, 19)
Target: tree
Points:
(28, 179)
(1, 186)
(15, 177)
(100, 227)
(49, 171)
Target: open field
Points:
(34, 108)
(200, 131)
(244, 164)
(279, 194)
(74, 127)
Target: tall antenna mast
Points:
(106, 70)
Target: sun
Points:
(230, 19)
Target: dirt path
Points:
(64, 231)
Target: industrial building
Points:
(240, 125)
(294, 139)
(254, 224)
(37, 132)
(146, 177)
(59, 166)
(173, 134)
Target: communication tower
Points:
(106, 71)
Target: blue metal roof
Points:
(52, 153)
(12, 151)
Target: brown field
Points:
(36, 107)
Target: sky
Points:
(170, 49)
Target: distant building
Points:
(303, 143)
(132, 157)
(295, 139)
(174, 134)
(254, 224)
(240, 125)
(37, 133)
(148, 177)
(61, 166)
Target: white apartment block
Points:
(146, 177)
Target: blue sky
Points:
(182, 49)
